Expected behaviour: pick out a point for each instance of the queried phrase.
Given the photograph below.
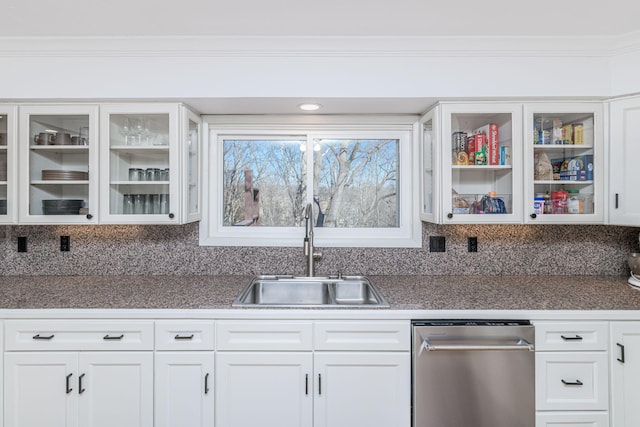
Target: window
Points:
(358, 178)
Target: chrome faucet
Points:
(309, 251)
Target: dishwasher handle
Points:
(520, 344)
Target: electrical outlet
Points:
(472, 244)
(22, 243)
(436, 244)
(65, 243)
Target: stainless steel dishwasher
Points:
(473, 373)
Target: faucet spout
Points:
(309, 251)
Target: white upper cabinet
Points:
(58, 158)
(8, 165)
(564, 167)
(480, 177)
(429, 166)
(149, 161)
(624, 155)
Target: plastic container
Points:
(538, 205)
(559, 202)
(575, 203)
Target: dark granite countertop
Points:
(402, 292)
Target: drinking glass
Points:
(139, 203)
(127, 208)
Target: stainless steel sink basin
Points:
(291, 291)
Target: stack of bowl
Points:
(62, 207)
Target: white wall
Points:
(285, 67)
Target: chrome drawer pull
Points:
(109, 337)
(573, 338)
(183, 337)
(576, 382)
(40, 337)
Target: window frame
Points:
(403, 128)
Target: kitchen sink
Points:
(292, 291)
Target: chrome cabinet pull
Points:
(115, 338)
(80, 389)
(621, 358)
(67, 387)
(183, 337)
(306, 384)
(319, 384)
(573, 338)
(206, 383)
(576, 382)
(40, 337)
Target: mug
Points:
(61, 139)
(43, 138)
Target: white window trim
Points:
(405, 128)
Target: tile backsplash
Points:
(174, 250)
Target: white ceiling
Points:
(319, 17)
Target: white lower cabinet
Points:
(357, 374)
(572, 375)
(625, 374)
(267, 389)
(362, 389)
(184, 393)
(88, 389)
(572, 419)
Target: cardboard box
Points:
(492, 141)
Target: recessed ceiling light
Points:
(309, 107)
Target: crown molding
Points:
(210, 46)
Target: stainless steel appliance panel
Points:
(473, 374)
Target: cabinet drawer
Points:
(572, 381)
(569, 336)
(184, 335)
(364, 335)
(572, 419)
(78, 335)
(263, 335)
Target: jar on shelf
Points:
(575, 204)
(559, 202)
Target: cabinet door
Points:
(625, 371)
(184, 389)
(624, 152)
(430, 166)
(481, 146)
(139, 160)
(8, 165)
(58, 154)
(362, 389)
(116, 389)
(191, 179)
(268, 389)
(564, 158)
(40, 389)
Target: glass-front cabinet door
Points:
(139, 163)
(8, 201)
(150, 162)
(429, 155)
(58, 164)
(564, 166)
(481, 163)
(191, 173)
